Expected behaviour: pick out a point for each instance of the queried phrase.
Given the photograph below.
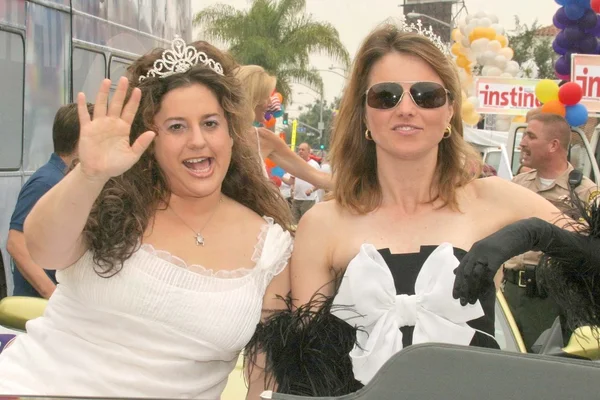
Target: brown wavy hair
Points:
(353, 158)
(126, 205)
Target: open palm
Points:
(104, 148)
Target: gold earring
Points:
(368, 135)
(447, 132)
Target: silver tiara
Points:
(428, 33)
(180, 59)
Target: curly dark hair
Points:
(122, 212)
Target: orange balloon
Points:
(554, 107)
(269, 163)
(279, 96)
(270, 123)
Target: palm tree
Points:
(277, 35)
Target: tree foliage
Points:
(277, 35)
(532, 52)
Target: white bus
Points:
(49, 51)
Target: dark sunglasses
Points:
(387, 95)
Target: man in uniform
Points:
(544, 147)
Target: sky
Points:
(354, 19)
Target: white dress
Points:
(158, 328)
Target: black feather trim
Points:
(572, 278)
(307, 349)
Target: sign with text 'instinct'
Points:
(508, 96)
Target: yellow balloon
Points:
(519, 119)
(456, 35)
(462, 61)
(482, 33)
(456, 49)
(502, 39)
(546, 90)
(467, 108)
(471, 119)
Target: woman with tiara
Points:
(167, 240)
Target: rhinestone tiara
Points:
(426, 32)
(179, 59)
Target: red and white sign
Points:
(508, 96)
(586, 72)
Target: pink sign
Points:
(586, 72)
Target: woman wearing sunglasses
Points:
(407, 207)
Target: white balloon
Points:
(493, 71)
(465, 42)
(498, 28)
(512, 68)
(507, 52)
(506, 75)
(500, 61)
(470, 55)
(494, 46)
(485, 22)
(473, 100)
(494, 18)
(488, 57)
(480, 14)
(480, 45)
(472, 25)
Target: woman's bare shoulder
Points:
(521, 202)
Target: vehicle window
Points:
(12, 74)
(493, 159)
(89, 69)
(516, 152)
(117, 69)
(503, 333)
(578, 155)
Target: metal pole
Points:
(321, 124)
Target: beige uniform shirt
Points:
(558, 194)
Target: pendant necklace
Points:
(198, 234)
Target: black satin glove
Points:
(479, 266)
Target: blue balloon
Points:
(595, 30)
(563, 2)
(277, 171)
(588, 45)
(583, 3)
(278, 114)
(563, 65)
(577, 115)
(589, 20)
(558, 49)
(561, 41)
(573, 35)
(574, 11)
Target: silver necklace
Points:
(198, 234)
